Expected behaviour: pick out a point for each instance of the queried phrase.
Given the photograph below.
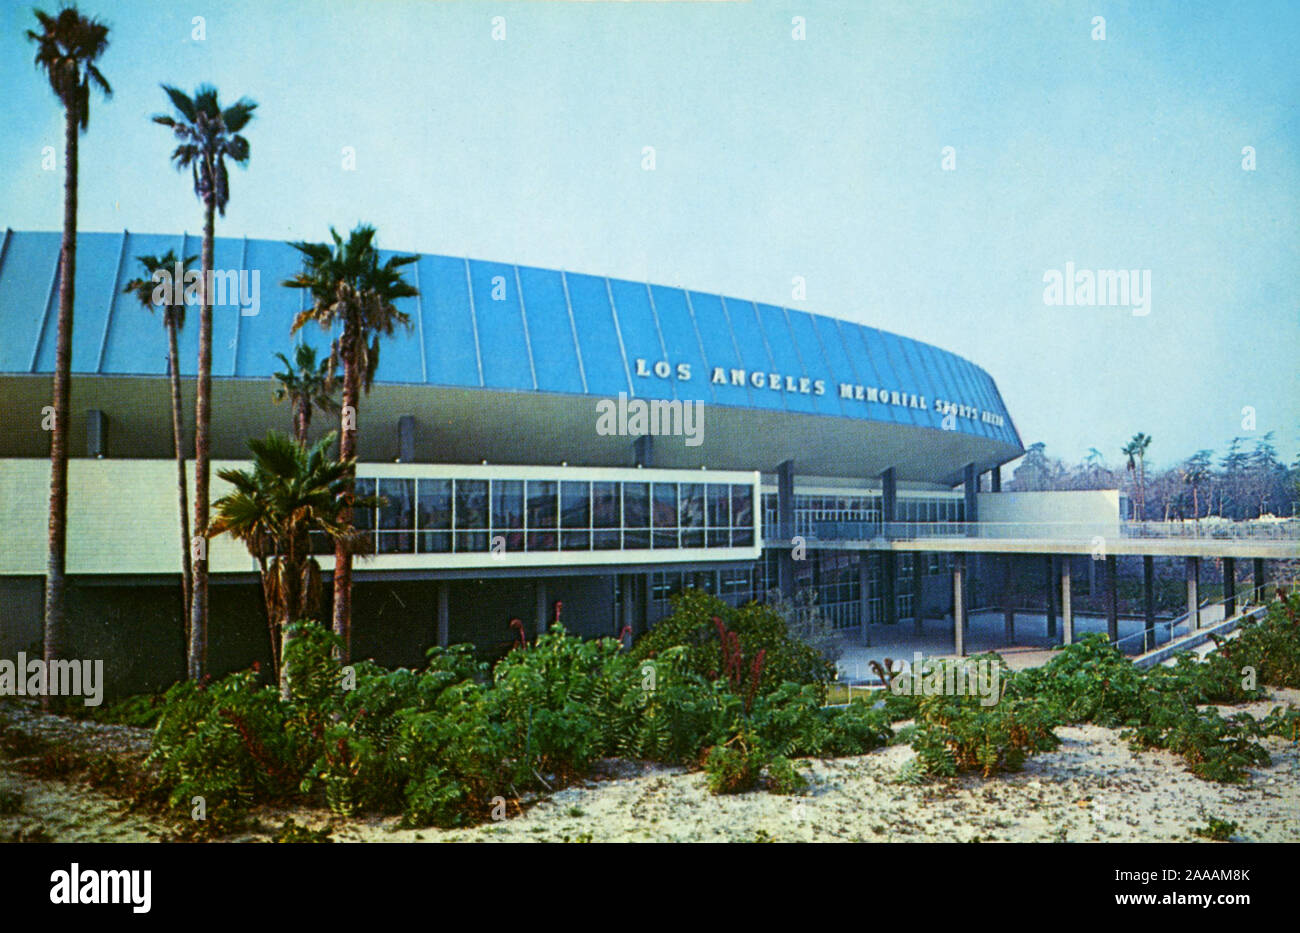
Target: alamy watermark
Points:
(980, 677)
(37, 677)
(239, 287)
(1120, 288)
(638, 417)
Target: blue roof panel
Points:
(478, 323)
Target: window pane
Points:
(636, 505)
(665, 505)
(542, 515)
(664, 514)
(575, 505)
(363, 519)
(434, 514)
(690, 514)
(508, 512)
(397, 516)
(742, 507)
(719, 506)
(471, 503)
(604, 505)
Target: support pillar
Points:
(1112, 601)
(1193, 597)
(1259, 579)
(995, 479)
(643, 451)
(1229, 587)
(1067, 613)
(918, 591)
(959, 604)
(785, 522)
(646, 583)
(889, 585)
(1008, 608)
(444, 613)
(1149, 600)
(542, 616)
(627, 586)
(864, 605)
(971, 490)
(1049, 566)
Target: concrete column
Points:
(889, 585)
(971, 489)
(1259, 579)
(864, 607)
(1229, 587)
(918, 591)
(628, 591)
(785, 523)
(1193, 597)
(995, 479)
(1008, 608)
(1067, 613)
(1149, 600)
(646, 583)
(643, 451)
(444, 613)
(1049, 565)
(959, 604)
(889, 496)
(1112, 601)
(543, 620)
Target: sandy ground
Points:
(1091, 789)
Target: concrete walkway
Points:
(987, 632)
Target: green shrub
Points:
(958, 734)
(783, 777)
(1217, 829)
(693, 626)
(734, 768)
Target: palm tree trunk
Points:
(347, 449)
(55, 581)
(202, 419)
(182, 487)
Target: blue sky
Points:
(774, 158)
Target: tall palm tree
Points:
(67, 48)
(1195, 472)
(306, 384)
(291, 492)
(208, 136)
(349, 286)
(1136, 450)
(151, 293)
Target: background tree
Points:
(291, 492)
(147, 290)
(1195, 472)
(67, 48)
(208, 136)
(306, 385)
(1136, 451)
(349, 285)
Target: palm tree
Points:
(208, 136)
(1195, 472)
(152, 293)
(306, 385)
(1136, 450)
(67, 48)
(349, 286)
(291, 493)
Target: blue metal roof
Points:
(507, 327)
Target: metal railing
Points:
(1249, 602)
(1288, 530)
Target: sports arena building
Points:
(540, 437)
